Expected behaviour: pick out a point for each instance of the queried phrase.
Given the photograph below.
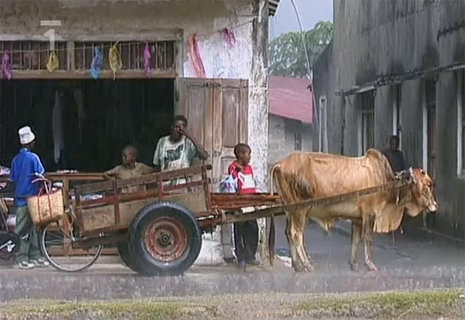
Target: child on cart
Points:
(245, 233)
(130, 168)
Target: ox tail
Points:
(272, 235)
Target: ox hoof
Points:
(309, 268)
(371, 266)
(354, 266)
(303, 268)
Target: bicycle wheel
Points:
(53, 243)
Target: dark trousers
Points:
(246, 240)
(29, 248)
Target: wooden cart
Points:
(157, 228)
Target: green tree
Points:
(287, 53)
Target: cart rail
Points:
(275, 210)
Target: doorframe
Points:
(426, 124)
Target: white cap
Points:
(26, 135)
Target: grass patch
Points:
(432, 304)
(122, 309)
(386, 305)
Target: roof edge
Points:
(273, 7)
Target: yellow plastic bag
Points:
(53, 62)
(114, 59)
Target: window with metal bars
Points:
(132, 55)
(368, 120)
(298, 141)
(33, 55)
(396, 113)
(430, 94)
(461, 125)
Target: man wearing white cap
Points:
(26, 165)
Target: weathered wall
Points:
(376, 37)
(140, 19)
(276, 139)
(247, 60)
(307, 137)
(281, 138)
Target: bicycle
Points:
(57, 240)
(9, 240)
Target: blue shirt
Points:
(23, 168)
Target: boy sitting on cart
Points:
(129, 169)
(245, 233)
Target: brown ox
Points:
(303, 176)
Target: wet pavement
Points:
(419, 262)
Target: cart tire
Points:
(128, 258)
(165, 239)
(51, 240)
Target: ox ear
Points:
(388, 219)
(422, 172)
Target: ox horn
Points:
(412, 176)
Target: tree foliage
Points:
(287, 53)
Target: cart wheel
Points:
(127, 256)
(165, 238)
(53, 243)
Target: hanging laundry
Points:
(6, 66)
(57, 126)
(97, 63)
(53, 62)
(195, 56)
(229, 37)
(114, 58)
(79, 100)
(148, 60)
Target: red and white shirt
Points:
(245, 178)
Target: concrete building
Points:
(290, 119)
(398, 67)
(209, 62)
(226, 101)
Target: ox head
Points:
(422, 193)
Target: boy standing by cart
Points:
(24, 169)
(245, 233)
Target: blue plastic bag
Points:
(228, 185)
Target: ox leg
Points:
(295, 233)
(368, 241)
(356, 236)
(288, 233)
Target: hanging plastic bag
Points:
(148, 60)
(97, 63)
(53, 62)
(114, 59)
(195, 56)
(6, 66)
(228, 185)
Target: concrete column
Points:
(258, 108)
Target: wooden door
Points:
(216, 110)
(194, 100)
(230, 103)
